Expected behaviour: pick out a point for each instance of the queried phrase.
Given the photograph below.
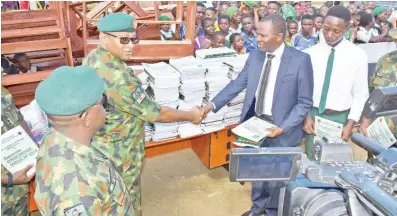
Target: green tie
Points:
(324, 93)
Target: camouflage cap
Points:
(69, 90)
(117, 22)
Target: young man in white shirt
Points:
(340, 73)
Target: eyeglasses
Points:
(103, 102)
(126, 40)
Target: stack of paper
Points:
(235, 65)
(164, 131)
(148, 132)
(139, 71)
(164, 83)
(192, 88)
(215, 79)
(188, 129)
(214, 121)
(215, 53)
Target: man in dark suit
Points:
(279, 82)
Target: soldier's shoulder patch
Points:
(138, 94)
(77, 210)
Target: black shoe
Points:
(249, 213)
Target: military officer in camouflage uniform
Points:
(14, 187)
(385, 75)
(122, 139)
(72, 176)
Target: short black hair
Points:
(200, 4)
(224, 3)
(225, 17)
(244, 16)
(207, 19)
(279, 24)
(292, 22)
(274, 2)
(317, 15)
(19, 56)
(264, 6)
(312, 8)
(307, 17)
(217, 34)
(340, 12)
(211, 9)
(360, 13)
(233, 36)
(365, 19)
(173, 12)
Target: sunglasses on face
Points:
(103, 102)
(126, 40)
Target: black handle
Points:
(367, 144)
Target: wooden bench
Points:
(43, 37)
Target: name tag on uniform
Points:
(77, 210)
(138, 95)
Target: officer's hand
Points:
(363, 126)
(22, 177)
(346, 132)
(275, 132)
(197, 115)
(308, 125)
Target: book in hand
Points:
(18, 150)
(254, 129)
(244, 142)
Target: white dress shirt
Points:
(271, 82)
(348, 87)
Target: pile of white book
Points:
(164, 83)
(192, 88)
(188, 129)
(236, 65)
(148, 132)
(215, 53)
(141, 74)
(164, 131)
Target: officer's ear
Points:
(86, 119)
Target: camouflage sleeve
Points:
(133, 99)
(74, 206)
(372, 79)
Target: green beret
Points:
(69, 90)
(252, 4)
(378, 10)
(117, 22)
(164, 18)
(231, 10)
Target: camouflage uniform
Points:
(14, 200)
(385, 75)
(73, 179)
(123, 137)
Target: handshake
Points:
(199, 113)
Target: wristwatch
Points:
(10, 180)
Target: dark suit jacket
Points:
(292, 98)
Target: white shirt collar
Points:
(279, 51)
(337, 47)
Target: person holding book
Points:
(279, 83)
(73, 176)
(14, 187)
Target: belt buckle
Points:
(329, 112)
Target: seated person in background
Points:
(204, 41)
(304, 39)
(211, 13)
(292, 27)
(237, 43)
(22, 61)
(218, 39)
(72, 176)
(364, 34)
(8, 67)
(248, 33)
(165, 30)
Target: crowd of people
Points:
(233, 24)
(90, 162)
